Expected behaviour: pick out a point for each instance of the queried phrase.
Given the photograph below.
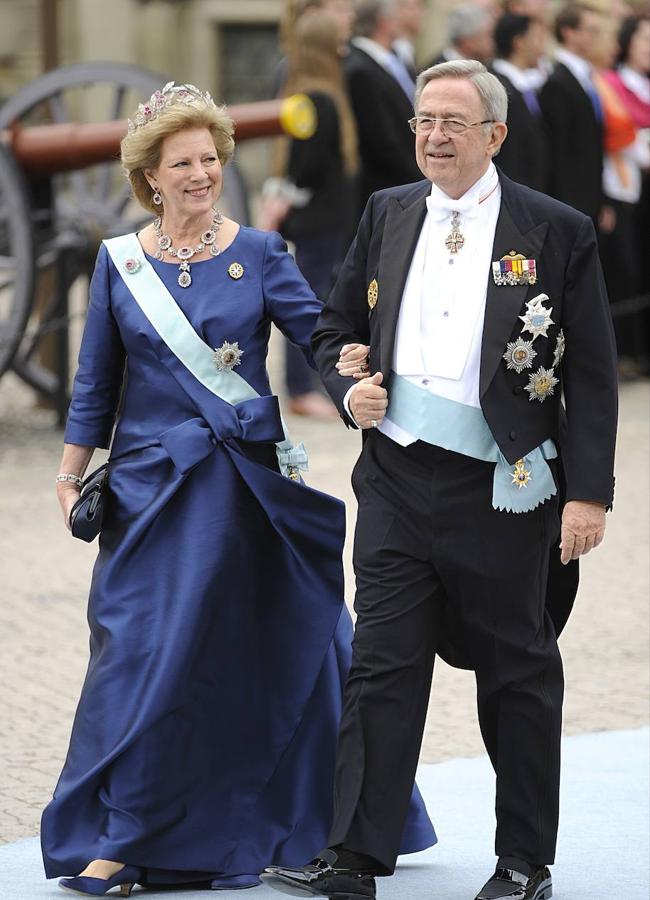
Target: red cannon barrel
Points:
(48, 149)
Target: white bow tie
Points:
(441, 207)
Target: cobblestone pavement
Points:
(44, 577)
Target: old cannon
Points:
(62, 191)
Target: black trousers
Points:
(428, 544)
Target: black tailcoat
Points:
(575, 142)
(563, 243)
(382, 110)
(524, 155)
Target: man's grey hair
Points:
(369, 12)
(492, 93)
(466, 21)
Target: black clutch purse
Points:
(87, 513)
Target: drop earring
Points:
(157, 199)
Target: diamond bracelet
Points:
(73, 478)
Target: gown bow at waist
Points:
(190, 442)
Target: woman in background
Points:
(314, 211)
(625, 95)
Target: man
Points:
(520, 43)
(410, 18)
(381, 91)
(573, 113)
(467, 288)
(470, 34)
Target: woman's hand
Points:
(67, 494)
(74, 461)
(353, 361)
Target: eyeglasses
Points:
(425, 125)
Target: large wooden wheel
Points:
(58, 221)
(17, 257)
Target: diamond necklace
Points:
(207, 239)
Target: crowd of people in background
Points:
(579, 130)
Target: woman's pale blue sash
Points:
(168, 320)
(463, 429)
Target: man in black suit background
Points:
(520, 44)
(573, 113)
(470, 34)
(410, 19)
(381, 91)
(467, 288)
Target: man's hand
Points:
(353, 361)
(583, 528)
(368, 402)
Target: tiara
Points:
(171, 94)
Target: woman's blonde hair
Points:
(141, 148)
(315, 67)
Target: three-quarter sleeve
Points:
(98, 382)
(291, 303)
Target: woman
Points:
(625, 94)
(204, 737)
(319, 172)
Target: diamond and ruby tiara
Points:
(172, 93)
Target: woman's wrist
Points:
(69, 478)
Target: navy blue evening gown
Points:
(204, 741)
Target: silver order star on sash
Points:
(537, 318)
(227, 356)
(560, 347)
(519, 355)
(541, 384)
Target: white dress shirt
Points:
(440, 324)
(522, 79)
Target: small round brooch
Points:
(227, 356)
(235, 270)
(132, 265)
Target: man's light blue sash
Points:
(168, 320)
(463, 429)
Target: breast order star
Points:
(537, 318)
(541, 384)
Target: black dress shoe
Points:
(322, 878)
(506, 884)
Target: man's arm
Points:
(590, 391)
(344, 319)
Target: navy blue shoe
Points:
(235, 882)
(97, 887)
